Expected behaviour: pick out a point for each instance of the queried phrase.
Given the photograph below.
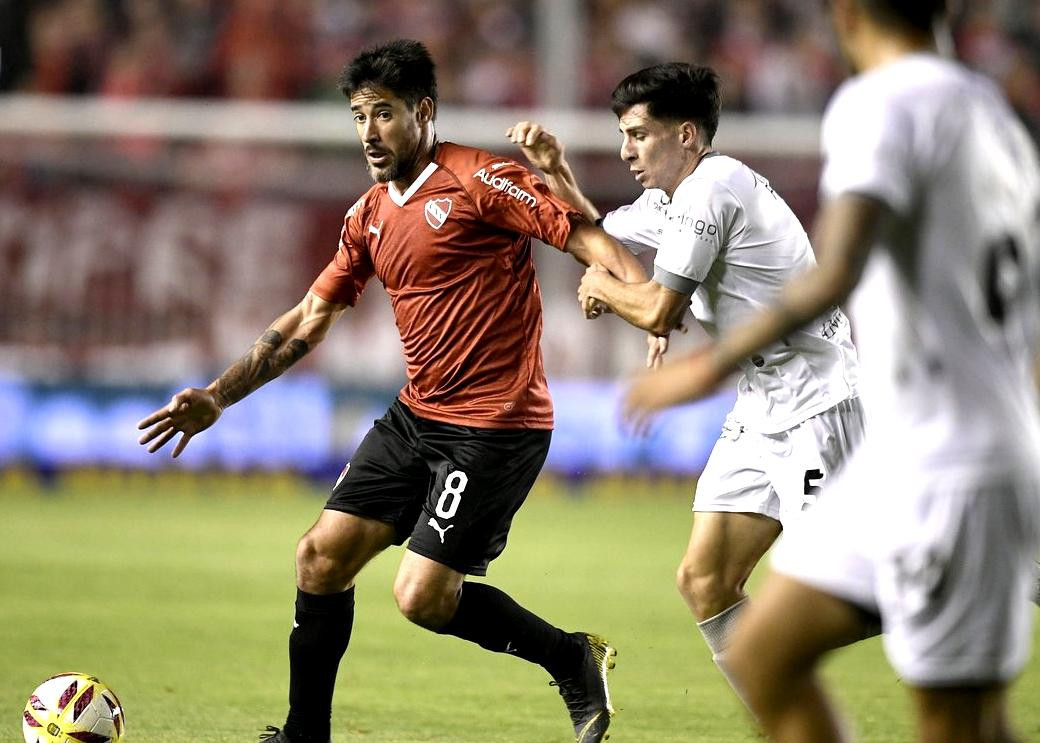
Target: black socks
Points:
(320, 635)
(485, 616)
(491, 619)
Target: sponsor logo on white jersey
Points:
(506, 185)
(437, 210)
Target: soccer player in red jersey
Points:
(447, 230)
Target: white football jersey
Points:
(947, 311)
(728, 232)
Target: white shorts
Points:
(946, 560)
(779, 474)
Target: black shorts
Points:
(452, 489)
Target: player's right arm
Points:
(545, 152)
(847, 229)
(287, 340)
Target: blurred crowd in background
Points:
(774, 55)
(133, 265)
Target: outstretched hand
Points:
(539, 146)
(689, 378)
(190, 411)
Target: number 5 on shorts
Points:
(809, 487)
(810, 490)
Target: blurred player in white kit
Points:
(724, 243)
(931, 202)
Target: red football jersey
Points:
(454, 254)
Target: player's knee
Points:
(424, 606)
(317, 571)
(707, 592)
(684, 579)
(308, 554)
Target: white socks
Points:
(717, 631)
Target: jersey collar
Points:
(400, 198)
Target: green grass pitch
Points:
(178, 592)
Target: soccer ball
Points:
(73, 708)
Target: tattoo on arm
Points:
(267, 359)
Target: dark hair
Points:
(403, 66)
(917, 16)
(677, 91)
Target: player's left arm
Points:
(513, 198)
(845, 232)
(591, 246)
(546, 152)
(655, 308)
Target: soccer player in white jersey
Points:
(931, 201)
(725, 243)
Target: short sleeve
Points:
(344, 278)
(697, 228)
(510, 197)
(866, 142)
(639, 225)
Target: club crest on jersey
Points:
(437, 210)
